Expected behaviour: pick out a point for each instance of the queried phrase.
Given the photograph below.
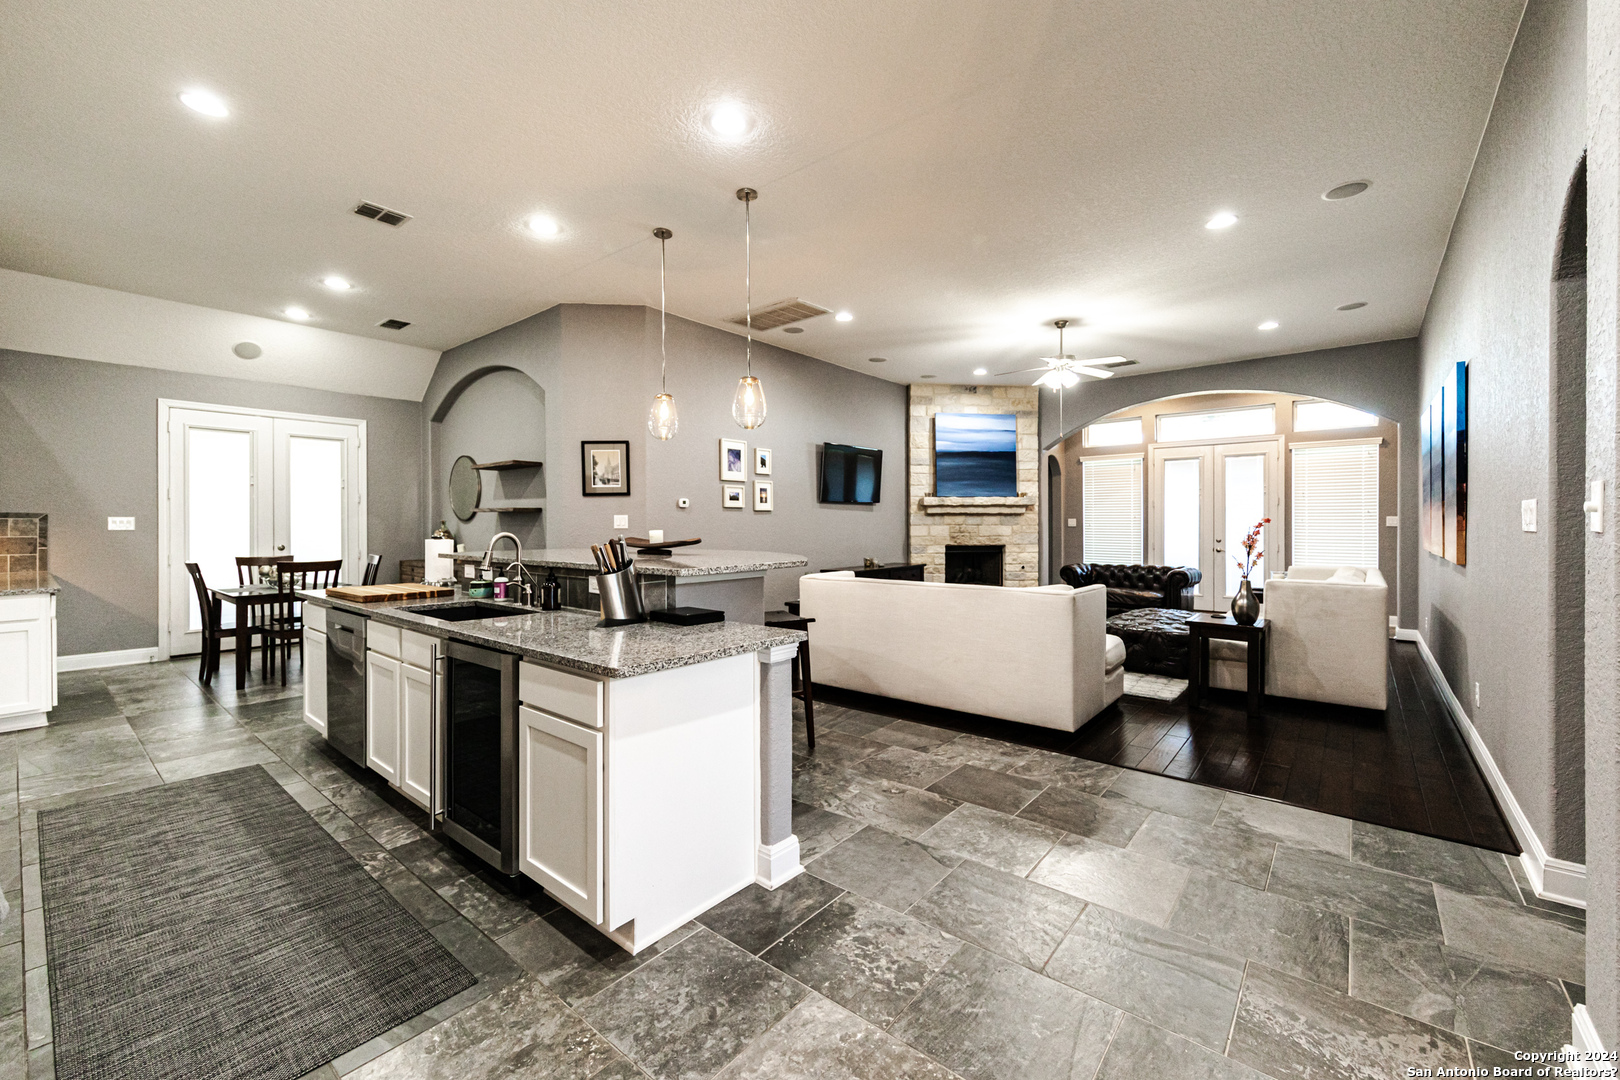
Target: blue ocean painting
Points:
(975, 454)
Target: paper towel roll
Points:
(436, 564)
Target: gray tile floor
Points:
(970, 909)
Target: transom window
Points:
(1329, 416)
(1217, 425)
(1127, 432)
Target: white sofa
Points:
(1037, 656)
(1329, 639)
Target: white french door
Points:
(1204, 500)
(239, 482)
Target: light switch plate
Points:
(1393, 521)
(683, 502)
(120, 524)
(621, 521)
(1074, 523)
(591, 585)
(1527, 515)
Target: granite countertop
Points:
(570, 638)
(686, 562)
(28, 582)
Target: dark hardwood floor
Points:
(1406, 768)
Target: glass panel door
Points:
(1248, 480)
(1182, 527)
(316, 500)
(1205, 500)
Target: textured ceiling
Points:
(956, 174)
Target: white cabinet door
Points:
(416, 736)
(382, 716)
(314, 677)
(560, 809)
(27, 655)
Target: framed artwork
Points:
(762, 461)
(1443, 469)
(731, 496)
(975, 454)
(733, 460)
(604, 468)
(764, 496)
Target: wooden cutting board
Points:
(376, 594)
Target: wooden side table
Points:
(1206, 626)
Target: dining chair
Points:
(212, 633)
(258, 570)
(372, 563)
(285, 623)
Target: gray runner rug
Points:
(211, 928)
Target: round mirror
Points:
(466, 487)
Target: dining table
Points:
(246, 600)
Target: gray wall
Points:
(1492, 308)
(78, 441)
(499, 417)
(1381, 377)
(597, 366)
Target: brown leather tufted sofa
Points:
(1137, 586)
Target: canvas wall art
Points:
(1443, 481)
(975, 454)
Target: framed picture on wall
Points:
(604, 467)
(733, 460)
(731, 496)
(764, 496)
(762, 461)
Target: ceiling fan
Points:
(1063, 370)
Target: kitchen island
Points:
(640, 774)
(728, 581)
(27, 649)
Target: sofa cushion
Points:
(1134, 597)
(1114, 654)
(1349, 575)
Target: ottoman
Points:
(1156, 640)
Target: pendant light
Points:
(661, 418)
(748, 407)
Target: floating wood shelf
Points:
(510, 509)
(505, 466)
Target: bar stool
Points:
(784, 620)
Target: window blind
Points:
(1111, 508)
(1335, 512)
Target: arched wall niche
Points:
(494, 413)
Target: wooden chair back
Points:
(372, 563)
(255, 569)
(205, 600)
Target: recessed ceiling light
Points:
(792, 329)
(296, 313)
(1352, 306)
(544, 225)
(335, 283)
(981, 371)
(1222, 220)
(206, 102)
(1346, 191)
(728, 120)
(877, 359)
(1269, 324)
(843, 316)
(248, 350)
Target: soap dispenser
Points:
(551, 593)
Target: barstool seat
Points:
(784, 620)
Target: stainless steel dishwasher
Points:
(346, 684)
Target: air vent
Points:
(382, 214)
(393, 324)
(1119, 364)
(781, 313)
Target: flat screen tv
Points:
(851, 474)
(975, 454)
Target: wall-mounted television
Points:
(851, 474)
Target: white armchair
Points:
(1329, 638)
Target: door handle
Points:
(281, 547)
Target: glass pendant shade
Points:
(661, 418)
(748, 407)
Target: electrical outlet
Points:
(1074, 523)
(1393, 521)
(120, 524)
(1527, 515)
(683, 502)
(621, 521)
(591, 584)
(1476, 695)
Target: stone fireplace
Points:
(1010, 523)
(974, 564)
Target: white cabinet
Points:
(382, 715)
(560, 809)
(314, 676)
(416, 734)
(27, 660)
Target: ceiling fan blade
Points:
(1020, 371)
(1095, 373)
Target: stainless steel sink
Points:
(471, 612)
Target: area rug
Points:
(212, 928)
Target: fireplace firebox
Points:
(973, 564)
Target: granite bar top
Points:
(686, 562)
(570, 638)
(28, 582)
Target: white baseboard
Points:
(777, 864)
(120, 658)
(1552, 879)
(24, 721)
(1585, 1033)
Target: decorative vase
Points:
(1245, 605)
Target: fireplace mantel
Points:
(976, 504)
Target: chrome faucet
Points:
(526, 588)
